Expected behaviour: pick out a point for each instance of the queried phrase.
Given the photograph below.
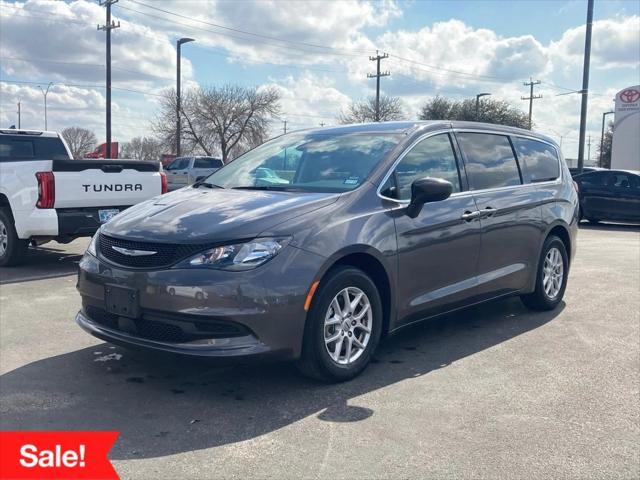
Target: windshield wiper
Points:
(206, 184)
(276, 188)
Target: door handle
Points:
(468, 216)
(488, 211)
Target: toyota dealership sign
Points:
(626, 130)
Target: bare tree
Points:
(365, 110)
(490, 111)
(227, 120)
(142, 148)
(80, 141)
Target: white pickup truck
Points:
(45, 195)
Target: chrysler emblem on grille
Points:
(133, 253)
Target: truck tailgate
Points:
(97, 183)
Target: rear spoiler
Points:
(107, 166)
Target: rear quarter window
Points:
(538, 160)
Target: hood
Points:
(200, 215)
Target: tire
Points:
(12, 249)
(548, 298)
(316, 360)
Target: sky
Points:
(316, 53)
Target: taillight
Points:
(46, 190)
(164, 186)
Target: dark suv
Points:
(315, 245)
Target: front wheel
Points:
(12, 249)
(343, 326)
(551, 280)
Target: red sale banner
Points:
(56, 455)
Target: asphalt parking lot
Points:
(494, 391)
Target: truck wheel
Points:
(12, 249)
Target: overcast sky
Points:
(316, 53)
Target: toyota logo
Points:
(630, 95)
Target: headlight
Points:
(91, 249)
(240, 256)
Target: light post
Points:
(45, 93)
(604, 115)
(178, 130)
(478, 103)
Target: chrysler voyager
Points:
(317, 244)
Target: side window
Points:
(206, 163)
(624, 180)
(593, 179)
(539, 160)
(489, 160)
(432, 157)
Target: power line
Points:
(531, 96)
(253, 34)
(377, 76)
(77, 85)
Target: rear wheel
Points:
(12, 249)
(343, 326)
(551, 280)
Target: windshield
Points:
(314, 162)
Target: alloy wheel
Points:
(4, 239)
(347, 325)
(552, 273)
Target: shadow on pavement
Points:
(165, 405)
(50, 261)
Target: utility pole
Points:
(531, 97)
(178, 91)
(377, 76)
(45, 93)
(585, 85)
(18, 115)
(604, 115)
(107, 27)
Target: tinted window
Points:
(181, 163)
(432, 157)
(307, 162)
(594, 179)
(23, 147)
(539, 161)
(207, 163)
(625, 180)
(489, 160)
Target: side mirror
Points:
(425, 190)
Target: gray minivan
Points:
(184, 171)
(357, 232)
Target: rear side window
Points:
(594, 179)
(24, 147)
(625, 180)
(539, 160)
(181, 163)
(490, 162)
(207, 163)
(432, 157)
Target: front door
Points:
(437, 250)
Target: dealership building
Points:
(625, 154)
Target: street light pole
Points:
(478, 103)
(178, 128)
(45, 93)
(604, 115)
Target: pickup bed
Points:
(45, 195)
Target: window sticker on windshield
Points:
(351, 181)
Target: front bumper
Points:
(204, 312)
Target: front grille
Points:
(165, 328)
(166, 253)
